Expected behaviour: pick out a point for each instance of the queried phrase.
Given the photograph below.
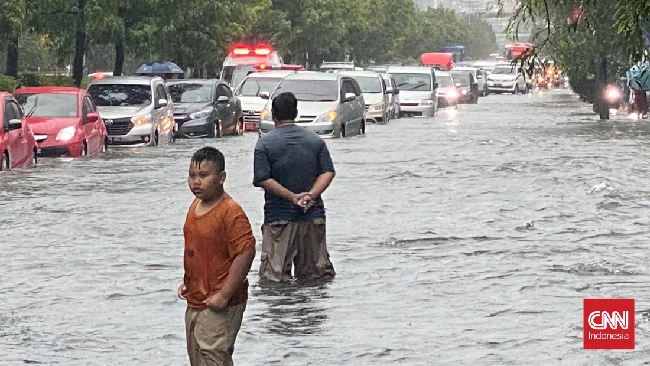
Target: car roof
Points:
(465, 68)
(5, 94)
(409, 69)
(137, 80)
(313, 76)
(193, 81)
(359, 73)
(48, 90)
(442, 73)
(272, 74)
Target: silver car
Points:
(375, 94)
(137, 110)
(329, 104)
(418, 90)
(393, 90)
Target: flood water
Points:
(467, 239)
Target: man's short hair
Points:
(285, 107)
(212, 155)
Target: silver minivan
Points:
(330, 104)
(418, 90)
(375, 94)
(137, 110)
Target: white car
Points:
(480, 77)
(249, 92)
(507, 79)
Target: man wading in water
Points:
(219, 251)
(294, 167)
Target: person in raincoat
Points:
(638, 79)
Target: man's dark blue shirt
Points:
(294, 157)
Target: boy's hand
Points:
(182, 291)
(216, 302)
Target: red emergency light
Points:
(246, 50)
(262, 67)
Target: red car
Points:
(64, 120)
(17, 143)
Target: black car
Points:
(205, 108)
(467, 87)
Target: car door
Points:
(354, 109)
(225, 110)
(17, 142)
(89, 127)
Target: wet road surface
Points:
(466, 239)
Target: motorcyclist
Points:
(639, 96)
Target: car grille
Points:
(409, 104)
(305, 119)
(251, 116)
(119, 127)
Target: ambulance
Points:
(243, 59)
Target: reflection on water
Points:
(451, 119)
(292, 309)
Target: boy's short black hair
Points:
(210, 154)
(284, 107)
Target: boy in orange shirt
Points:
(219, 251)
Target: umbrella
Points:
(159, 67)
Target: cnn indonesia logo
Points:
(608, 323)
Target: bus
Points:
(457, 50)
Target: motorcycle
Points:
(611, 100)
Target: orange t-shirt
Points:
(212, 241)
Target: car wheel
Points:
(4, 165)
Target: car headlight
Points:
(427, 102)
(266, 115)
(66, 133)
(377, 107)
(201, 114)
(329, 116)
(140, 120)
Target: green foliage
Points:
(7, 83)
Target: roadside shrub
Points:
(28, 79)
(7, 83)
(56, 80)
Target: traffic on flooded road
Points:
(468, 237)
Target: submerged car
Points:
(205, 108)
(375, 95)
(466, 85)
(507, 79)
(418, 90)
(17, 144)
(391, 85)
(249, 93)
(64, 120)
(447, 91)
(137, 110)
(329, 104)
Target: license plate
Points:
(115, 139)
(499, 85)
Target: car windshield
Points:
(191, 93)
(252, 87)
(504, 70)
(415, 82)
(310, 90)
(369, 84)
(461, 77)
(240, 74)
(443, 80)
(49, 105)
(120, 95)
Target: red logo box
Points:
(608, 323)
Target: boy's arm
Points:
(239, 269)
(241, 244)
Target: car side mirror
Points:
(222, 99)
(390, 90)
(162, 103)
(479, 77)
(92, 117)
(15, 124)
(349, 97)
(435, 85)
(265, 95)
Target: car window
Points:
(17, 114)
(91, 106)
(252, 87)
(310, 90)
(60, 105)
(416, 82)
(191, 92)
(370, 84)
(160, 92)
(223, 91)
(124, 95)
(8, 113)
